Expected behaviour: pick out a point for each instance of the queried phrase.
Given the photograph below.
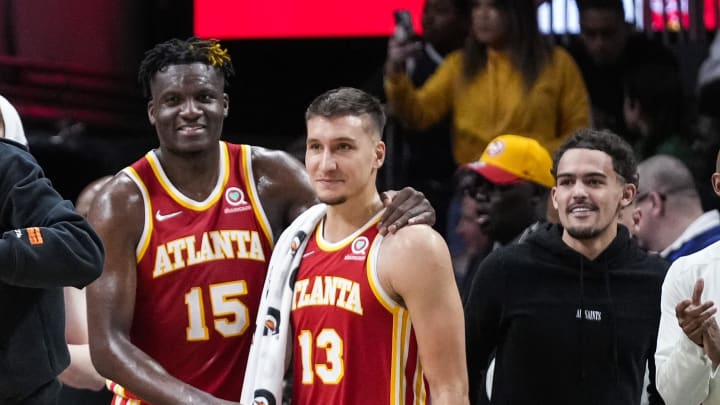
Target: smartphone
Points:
(404, 30)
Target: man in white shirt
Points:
(688, 346)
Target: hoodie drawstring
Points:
(582, 319)
(613, 323)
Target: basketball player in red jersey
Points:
(371, 316)
(188, 231)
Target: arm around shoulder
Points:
(44, 243)
(414, 265)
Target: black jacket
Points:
(45, 245)
(566, 329)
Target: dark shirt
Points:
(567, 330)
(44, 245)
(605, 83)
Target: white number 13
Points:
(229, 313)
(333, 370)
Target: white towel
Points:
(13, 126)
(271, 340)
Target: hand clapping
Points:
(695, 317)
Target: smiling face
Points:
(342, 157)
(188, 107)
(589, 194)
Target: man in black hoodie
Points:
(44, 245)
(572, 311)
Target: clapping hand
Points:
(694, 317)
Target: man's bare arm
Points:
(414, 264)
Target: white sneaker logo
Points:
(161, 217)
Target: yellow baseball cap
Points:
(512, 158)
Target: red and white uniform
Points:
(200, 274)
(353, 344)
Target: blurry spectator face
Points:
(504, 211)
(442, 24)
(649, 208)
(588, 193)
(489, 24)
(468, 228)
(707, 138)
(603, 32)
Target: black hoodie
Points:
(44, 245)
(566, 329)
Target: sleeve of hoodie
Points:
(483, 310)
(44, 242)
(684, 372)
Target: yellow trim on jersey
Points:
(400, 348)
(327, 246)
(374, 280)
(419, 384)
(144, 240)
(182, 199)
(401, 333)
(120, 394)
(253, 194)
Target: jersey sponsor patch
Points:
(359, 249)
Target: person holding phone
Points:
(507, 79)
(444, 25)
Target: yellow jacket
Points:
(494, 102)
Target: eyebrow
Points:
(573, 175)
(335, 140)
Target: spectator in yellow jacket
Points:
(507, 79)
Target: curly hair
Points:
(181, 52)
(623, 157)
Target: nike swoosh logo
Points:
(308, 254)
(160, 217)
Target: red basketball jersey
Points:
(200, 274)
(353, 344)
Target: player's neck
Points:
(195, 175)
(343, 219)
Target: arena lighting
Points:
(253, 19)
(274, 19)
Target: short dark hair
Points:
(347, 101)
(183, 52)
(610, 5)
(623, 157)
